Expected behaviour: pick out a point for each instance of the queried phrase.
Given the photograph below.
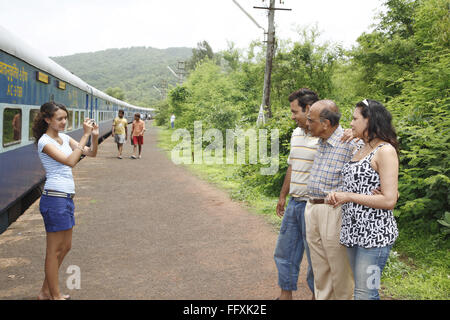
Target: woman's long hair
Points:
(380, 122)
(47, 111)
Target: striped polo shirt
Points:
(301, 159)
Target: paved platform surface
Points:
(148, 229)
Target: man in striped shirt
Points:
(332, 274)
(291, 242)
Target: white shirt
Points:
(59, 176)
(172, 118)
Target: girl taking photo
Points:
(59, 153)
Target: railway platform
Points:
(147, 229)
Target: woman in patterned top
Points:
(369, 195)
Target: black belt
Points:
(53, 193)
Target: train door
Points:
(91, 114)
(86, 114)
(97, 119)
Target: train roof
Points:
(14, 46)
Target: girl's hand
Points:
(337, 198)
(87, 126)
(95, 130)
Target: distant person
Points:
(59, 153)
(291, 243)
(17, 127)
(120, 131)
(368, 225)
(137, 133)
(332, 273)
(172, 121)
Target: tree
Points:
(389, 51)
(116, 92)
(203, 51)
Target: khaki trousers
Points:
(333, 278)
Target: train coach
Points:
(27, 80)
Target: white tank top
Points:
(59, 176)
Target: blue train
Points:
(27, 80)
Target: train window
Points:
(33, 115)
(81, 118)
(69, 124)
(12, 126)
(77, 119)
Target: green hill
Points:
(135, 70)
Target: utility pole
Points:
(160, 92)
(164, 87)
(179, 77)
(181, 70)
(269, 57)
(270, 52)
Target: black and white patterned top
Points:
(364, 226)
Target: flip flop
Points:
(65, 297)
(133, 157)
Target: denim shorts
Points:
(58, 213)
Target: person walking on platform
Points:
(172, 121)
(59, 153)
(368, 225)
(120, 132)
(332, 273)
(291, 242)
(137, 133)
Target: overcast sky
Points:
(64, 27)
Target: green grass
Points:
(419, 264)
(418, 267)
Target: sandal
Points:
(47, 297)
